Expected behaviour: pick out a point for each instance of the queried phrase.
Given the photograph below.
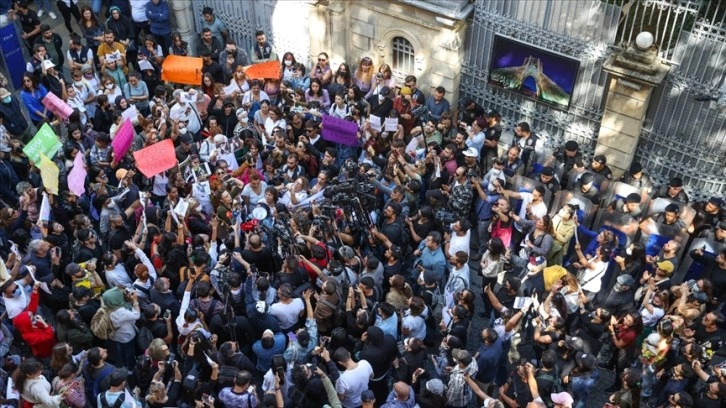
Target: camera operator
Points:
(308, 379)
(390, 230)
(421, 224)
(258, 254)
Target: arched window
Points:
(403, 55)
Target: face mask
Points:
(629, 251)
(236, 292)
(183, 131)
(109, 86)
(7, 99)
(18, 292)
(78, 83)
(288, 63)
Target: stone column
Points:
(183, 13)
(633, 75)
(338, 31)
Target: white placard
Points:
(391, 124)
(376, 123)
(188, 97)
(131, 113)
(114, 56)
(230, 89)
(144, 65)
(181, 208)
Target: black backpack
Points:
(144, 338)
(227, 375)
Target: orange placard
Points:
(156, 158)
(265, 70)
(182, 70)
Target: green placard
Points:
(45, 141)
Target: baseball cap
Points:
(385, 91)
(405, 91)
(676, 182)
(587, 178)
(575, 343)
(48, 64)
(121, 174)
(636, 168)
(672, 208)
(625, 280)
(435, 386)
(722, 225)
(562, 398)
(471, 152)
(571, 146)
(367, 396)
(665, 266)
(717, 201)
(461, 355)
(548, 171)
(600, 158)
(268, 333)
(632, 198)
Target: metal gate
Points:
(285, 23)
(680, 137)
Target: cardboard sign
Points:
(58, 106)
(182, 70)
(340, 131)
(45, 141)
(49, 173)
(145, 65)
(122, 141)
(264, 70)
(77, 176)
(156, 158)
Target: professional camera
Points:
(445, 219)
(421, 114)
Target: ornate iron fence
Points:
(681, 136)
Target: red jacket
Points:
(40, 339)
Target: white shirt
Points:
(118, 277)
(352, 383)
(539, 210)
(15, 305)
(138, 10)
(124, 320)
(459, 243)
(415, 325)
(591, 279)
(255, 198)
(287, 314)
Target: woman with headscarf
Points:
(124, 312)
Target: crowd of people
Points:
(276, 266)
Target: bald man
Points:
(400, 397)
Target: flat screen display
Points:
(533, 72)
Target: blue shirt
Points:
(33, 101)
(437, 109)
(488, 361)
(477, 141)
(264, 356)
(433, 260)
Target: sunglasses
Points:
(321, 60)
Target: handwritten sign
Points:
(77, 176)
(156, 158)
(45, 141)
(122, 141)
(182, 70)
(130, 113)
(264, 70)
(391, 124)
(49, 174)
(57, 105)
(340, 131)
(376, 123)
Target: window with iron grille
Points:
(403, 55)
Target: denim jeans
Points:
(44, 5)
(647, 381)
(581, 386)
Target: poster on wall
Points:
(533, 72)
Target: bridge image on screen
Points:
(530, 80)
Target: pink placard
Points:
(122, 141)
(77, 176)
(156, 158)
(57, 106)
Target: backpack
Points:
(227, 375)
(101, 324)
(339, 314)
(144, 338)
(117, 404)
(437, 304)
(92, 385)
